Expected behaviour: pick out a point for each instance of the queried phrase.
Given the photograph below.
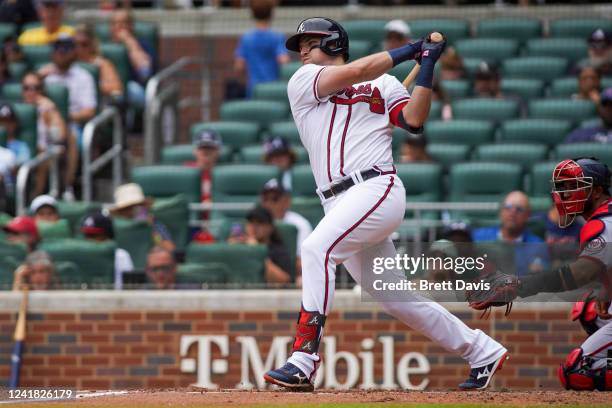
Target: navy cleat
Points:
(290, 377)
(480, 377)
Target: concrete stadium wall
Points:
(107, 339)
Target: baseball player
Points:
(580, 187)
(344, 113)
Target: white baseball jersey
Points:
(348, 131)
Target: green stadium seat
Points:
(571, 48)
(18, 70)
(359, 49)
(492, 50)
(254, 154)
(400, 71)
(75, 211)
(27, 119)
(135, 236)
(539, 179)
(197, 274)
(302, 181)
(308, 207)
(173, 212)
(606, 82)
(233, 133)
(54, 230)
(566, 109)
(286, 129)
(167, 181)
(573, 150)
(145, 31)
(245, 262)
(462, 131)
(578, 27)
(486, 109)
(590, 122)
(521, 153)
(11, 256)
(544, 68)
(459, 88)
(94, 260)
(547, 131)
(271, 91)
(423, 181)
(288, 233)
(118, 55)
(365, 30)
(521, 29)
(524, 88)
(436, 110)
(37, 55)
(13, 92)
(564, 87)
(453, 29)
(482, 181)
(471, 66)
(179, 154)
(7, 30)
(287, 70)
(261, 112)
(448, 153)
(2, 137)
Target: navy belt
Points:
(344, 184)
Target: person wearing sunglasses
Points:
(601, 132)
(530, 253)
(161, 268)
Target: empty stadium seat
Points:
(544, 68)
(135, 236)
(11, 256)
(7, 30)
(287, 70)
(423, 181)
(75, 211)
(18, 70)
(492, 50)
(521, 29)
(197, 274)
(261, 112)
(453, 29)
(359, 49)
(286, 129)
(540, 179)
(400, 71)
(524, 88)
(436, 110)
(173, 212)
(547, 131)
(54, 230)
(288, 233)
(271, 91)
(566, 109)
(571, 48)
(459, 88)
(27, 119)
(234, 134)
(179, 154)
(254, 154)
(448, 153)
(302, 181)
(524, 154)
(486, 109)
(564, 87)
(94, 260)
(462, 131)
(578, 27)
(167, 181)
(372, 31)
(37, 55)
(482, 181)
(245, 262)
(574, 150)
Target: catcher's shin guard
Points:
(576, 373)
(308, 331)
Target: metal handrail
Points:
(113, 154)
(52, 154)
(154, 98)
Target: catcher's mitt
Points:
(500, 289)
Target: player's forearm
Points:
(416, 112)
(562, 279)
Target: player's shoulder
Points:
(306, 72)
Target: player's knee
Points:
(576, 373)
(311, 247)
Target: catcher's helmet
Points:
(334, 39)
(573, 181)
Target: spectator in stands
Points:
(98, 227)
(23, 230)
(44, 208)
(161, 268)
(487, 82)
(600, 51)
(36, 273)
(51, 14)
(276, 199)
(278, 152)
(18, 12)
(513, 215)
(87, 50)
(10, 122)
(51, 130)
(451, 65)
(130, 202)
(596, 134)
(261, 51)
(260, 230)
(397, 34)
(5, 74)
(413, 148)
(80, 83)
(140, 55)
(562, 242)
(589, 84)
(12, 50)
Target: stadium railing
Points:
(52, 155)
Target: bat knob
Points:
(436, 37)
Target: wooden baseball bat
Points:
(19, 337)
(435, 37)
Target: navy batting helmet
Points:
(334, 39)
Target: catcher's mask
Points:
(334, 39)
(572, 185)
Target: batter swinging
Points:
(344, 114)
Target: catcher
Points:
(580, 187)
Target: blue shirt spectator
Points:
(597, 134)
(20, 149)
(262, 50)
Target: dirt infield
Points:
(190, 398)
